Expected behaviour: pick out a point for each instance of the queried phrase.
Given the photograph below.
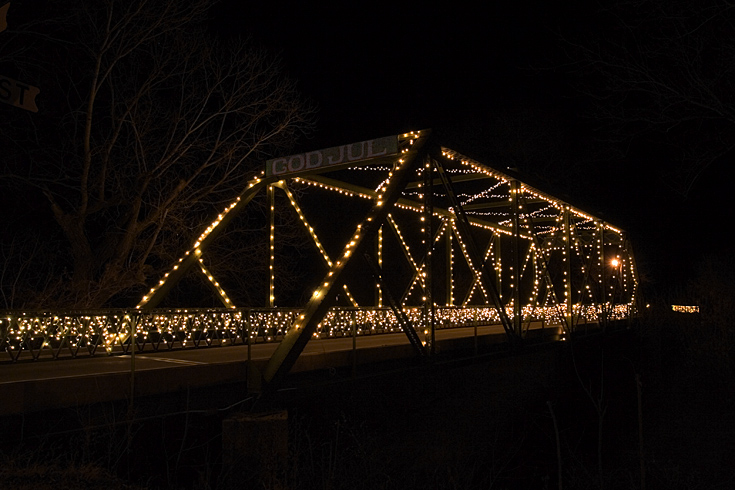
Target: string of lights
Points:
(34, 335)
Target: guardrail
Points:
(32, 335)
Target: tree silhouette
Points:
(146, 126)
(661, 71)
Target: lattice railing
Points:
(31, 335)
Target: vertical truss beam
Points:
(603, 266)
(271, 246)
(379, 255)
(515, 215)
(449, 276)
(568, 268)
(428, 209)
(498, 265)
(215, 286)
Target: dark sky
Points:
(375, 71)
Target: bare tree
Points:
(663, 69)
(146, 126)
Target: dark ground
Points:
(464, 425)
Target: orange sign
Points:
(3, 14)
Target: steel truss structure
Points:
(421, 237)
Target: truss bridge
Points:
(402, 236)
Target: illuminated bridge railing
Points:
(86, 333)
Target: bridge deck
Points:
(49, 384)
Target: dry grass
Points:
(20, 473)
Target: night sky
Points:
(377, 71)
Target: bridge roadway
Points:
(46, 384)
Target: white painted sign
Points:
(328, 157)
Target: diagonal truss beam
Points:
(404, 246)
(215, 286)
